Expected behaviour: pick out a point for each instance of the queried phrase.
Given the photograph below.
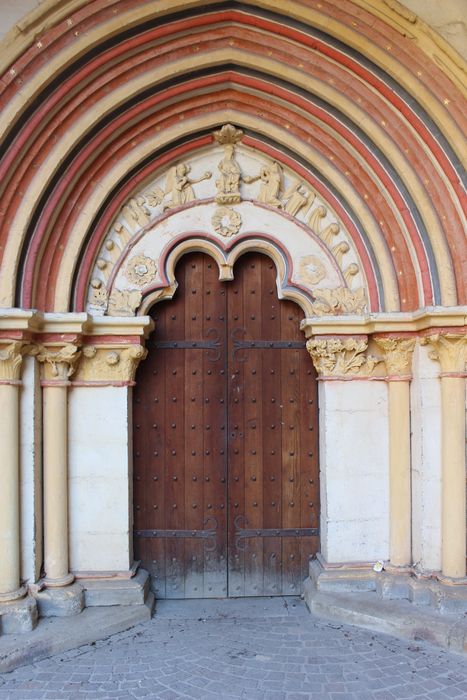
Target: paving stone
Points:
(259, 650)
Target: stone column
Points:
(398, 357)
(10, 372)
(58, 366)
(450, 350)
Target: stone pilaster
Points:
(397, 353)
(450, 350)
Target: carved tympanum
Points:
(341, 357)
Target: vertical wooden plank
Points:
(290, 457)
(193, 447)
(236, 472)
(214, 426)
(251, 266)
(174, 442)
(272, 429)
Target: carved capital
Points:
(58, 362)
(11, 358)
(109, 365)
(397, 355)
(342, 357)
(450, 350)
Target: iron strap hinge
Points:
(279, 532)
(208, 534)
(269, 344)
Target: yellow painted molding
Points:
(420, 320)
(126, 325)
(18, 320)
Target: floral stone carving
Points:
(124, 302)
(311, 269)
(226, 221)
(397, 354)
(340, 300)
(141, 270)
(341, 357)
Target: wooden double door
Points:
(226, 493)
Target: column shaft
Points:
(56, 486)
(9, 494)
(399, 479)
(453, 471)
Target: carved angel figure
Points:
(178, 185)
(296, 197)
(272, 179)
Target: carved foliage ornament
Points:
(11, 357)
(341, 300)
(336, 357)
(104, 364)
(124, 302)
(397, 354)
(59, 362)
(450, 349)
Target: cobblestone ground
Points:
(264, 648)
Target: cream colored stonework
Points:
(346, 357)
(449, 349)
(109, 364)
(58, 362)
(11, 359)
(397, 354)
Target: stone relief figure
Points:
(272, 181)
(296, 197)
(228, 184)
(178, 185)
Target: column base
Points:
(116, 591)
(58, 582)
(62, 601)
(18, 616)
(13, 595)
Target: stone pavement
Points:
(268, 648)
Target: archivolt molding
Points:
(334, 104)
